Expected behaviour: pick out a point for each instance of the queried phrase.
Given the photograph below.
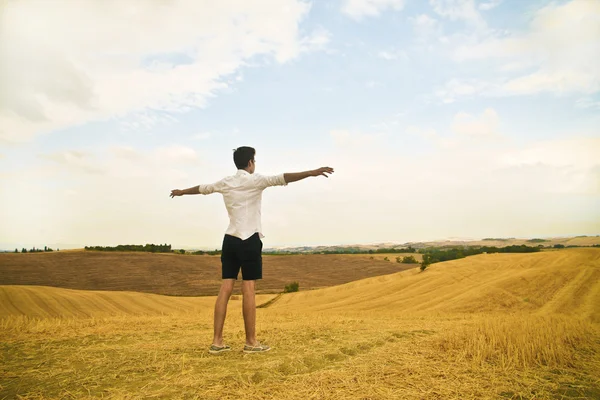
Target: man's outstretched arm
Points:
(297, 176)
(192, 190)
(200, 189)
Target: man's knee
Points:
(227, 285)
(248, 287)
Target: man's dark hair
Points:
(242, 156)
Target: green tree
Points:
(292, 287)
(426, 262)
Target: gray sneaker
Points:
(259, 348)
(218, 349)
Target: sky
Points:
(442, 118)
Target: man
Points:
(242, 245)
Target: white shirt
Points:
(242, 194)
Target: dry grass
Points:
(521, 341)
(403, 336)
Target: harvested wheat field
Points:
(493, 326)
(184, 275)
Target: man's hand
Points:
(176, 192)
(322, 171)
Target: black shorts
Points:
(238, 253)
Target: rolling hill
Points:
(49, 302)
(566, 281)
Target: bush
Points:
(292, 287)
(409, 260)
(426, 262)
(559, 246)
(386, 259)
(537, 240)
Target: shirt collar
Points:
(242, 172)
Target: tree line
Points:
(433, 255)
(345, 250)
(34, 250)
(150, 248)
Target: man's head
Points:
(243, 157)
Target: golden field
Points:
(493, 326)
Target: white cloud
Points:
(490, 5)
(425, 26)
(386, 55)
(124, 161)
(561, 45)
(176, 154)
(587, 102)
(144, 120)
(577, 152)
(393, 55)
(457, 88)
(469, 125)
(202, 136)
(574, 163)
(425, 133)
(358, 9)
(318, 40)
(466, 129)
(76, 161)
(94, 60)
(357, 140)
(372, 84)
(126, 152)
(454, 10)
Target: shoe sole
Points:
(256, 351)
(218, 351)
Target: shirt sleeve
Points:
(266, 181)
(211, 188)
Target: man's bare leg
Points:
(221, 310)
(249, 309)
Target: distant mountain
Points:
(582, 240)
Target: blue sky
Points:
(446, 118)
